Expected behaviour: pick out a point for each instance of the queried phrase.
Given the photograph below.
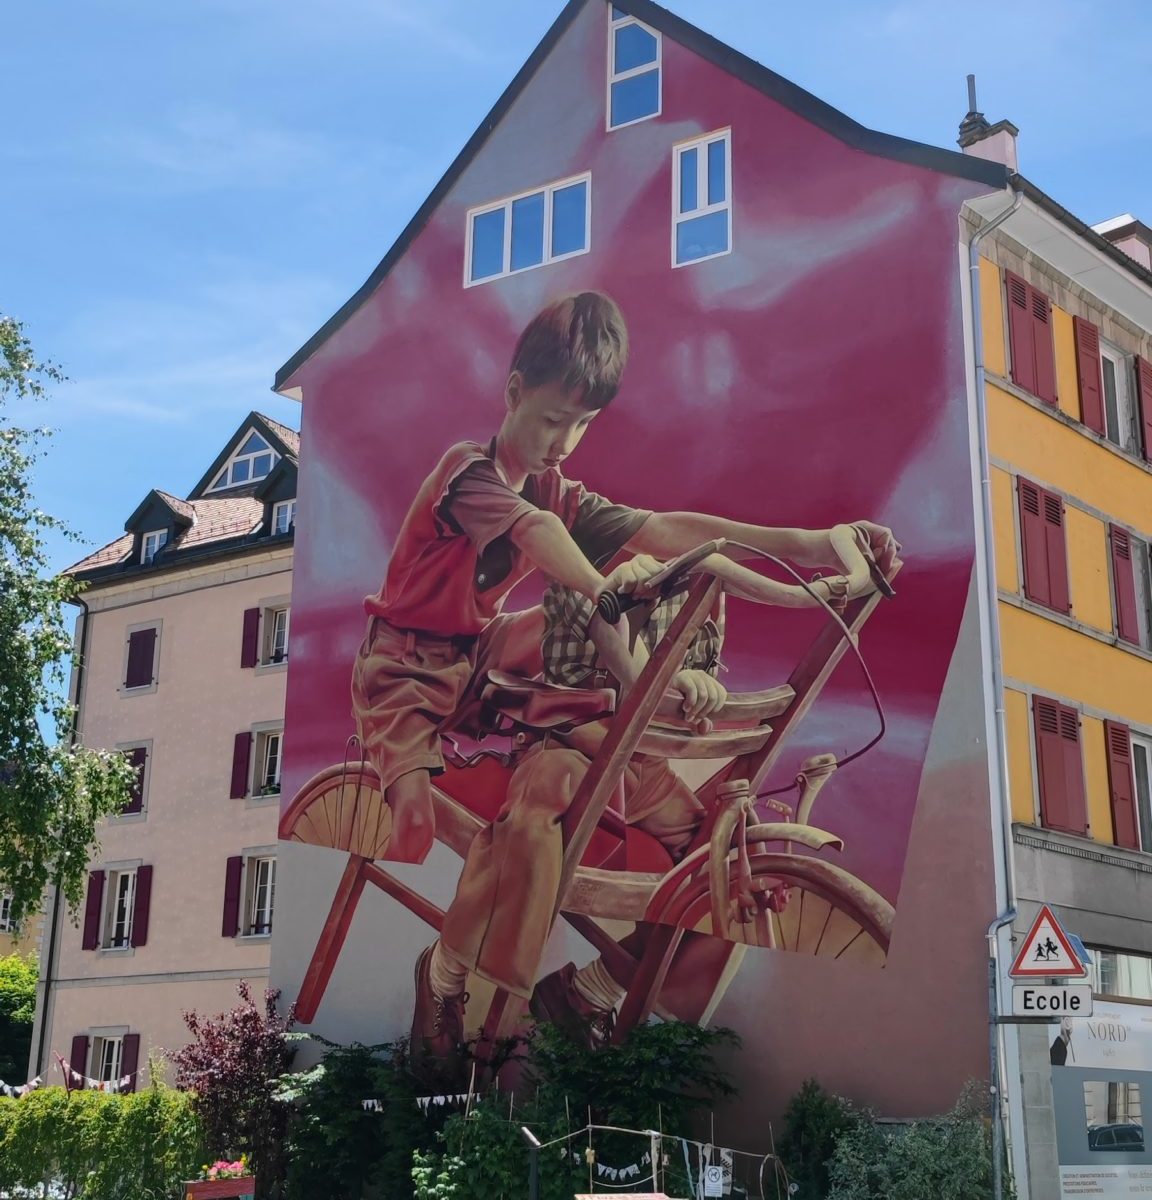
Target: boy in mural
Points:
(483, 520)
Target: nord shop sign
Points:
(1055, 1000)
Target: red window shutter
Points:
(1088, 373)
(1124, 585)
(230, 926)
(1073, 771)
(138, 757)
(78, 1056)
(130, 1059)
(1034, 538)
(1050, 763)
(1020, 332)
(141, 656)
(1043, 346)
(1059, 596)
(250, 642)
(1123, 794)
(142, 906)
(92, 906)
(1144, 394)
(241, 754)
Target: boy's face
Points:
(544, 424)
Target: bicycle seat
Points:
(538, 705)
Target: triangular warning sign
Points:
(1047, 950)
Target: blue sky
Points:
(189, 190)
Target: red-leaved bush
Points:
(232, 1063)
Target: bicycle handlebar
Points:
(611, 605)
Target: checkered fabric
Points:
(570, 657)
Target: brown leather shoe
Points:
(556, 1000)
(437, 1025)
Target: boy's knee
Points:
(545, 784)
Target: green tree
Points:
(52, 793)
(17, 1008)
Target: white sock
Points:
(446, 974)
(598, 987)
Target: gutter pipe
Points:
(1000, 729)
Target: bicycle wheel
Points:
(811, 907)
(340, 807)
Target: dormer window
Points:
(151, 544)
(252, 461)
(283, 515)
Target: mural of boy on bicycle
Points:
(483, 520)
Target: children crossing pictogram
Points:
(1047, 950)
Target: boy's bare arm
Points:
(665, 535)
(546, 542)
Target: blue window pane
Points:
(635, 46)
(688, 175)
(635, 97)
(702, 236)
(240, 470)
(716, 181)
(253, 443)
(261, 465)
(528, 231)
(569, 219)
(488, 244)
(618, 14)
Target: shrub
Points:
(97, 1146)
(947, 1158)
(335, 1148)
(813, 1123)
(232, 1064)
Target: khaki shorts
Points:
(409, 686)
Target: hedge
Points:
(98, 1146)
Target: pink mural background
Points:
(814, 375)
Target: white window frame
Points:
(701, 144)
(548, 189)
(7, 925)
(272, 623)
(264, 739)
(615, 23)
(1142, 575)
(278, 509)
(114, 892)
(253, 907)
(228, 467)
(151, 543)
(1127, 433)
(145, 781)
(1143, 743)
(106, 1048)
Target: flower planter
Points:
(217, 1189)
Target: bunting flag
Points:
(425, 1102)
(74, 1081)
(6, 1089)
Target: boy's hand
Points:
(631, 576)
(882, 542)
(702, 696)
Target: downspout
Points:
(53, 924)
(1000, 728)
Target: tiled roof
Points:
(290, 437)
(220, 520)
(182, 507)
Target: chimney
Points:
(1130, 235)
(978, 137)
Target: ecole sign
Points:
(1052, 1000)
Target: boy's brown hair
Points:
(580, 341)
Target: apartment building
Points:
(1065, 362)
(183, 640)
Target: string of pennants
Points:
(6, 1089)
(74, 1081)
(604, 1171)
(425, 1102)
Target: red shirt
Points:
(453, 564)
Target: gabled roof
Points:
(784, 92)
(284, 441)
(182, 513)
